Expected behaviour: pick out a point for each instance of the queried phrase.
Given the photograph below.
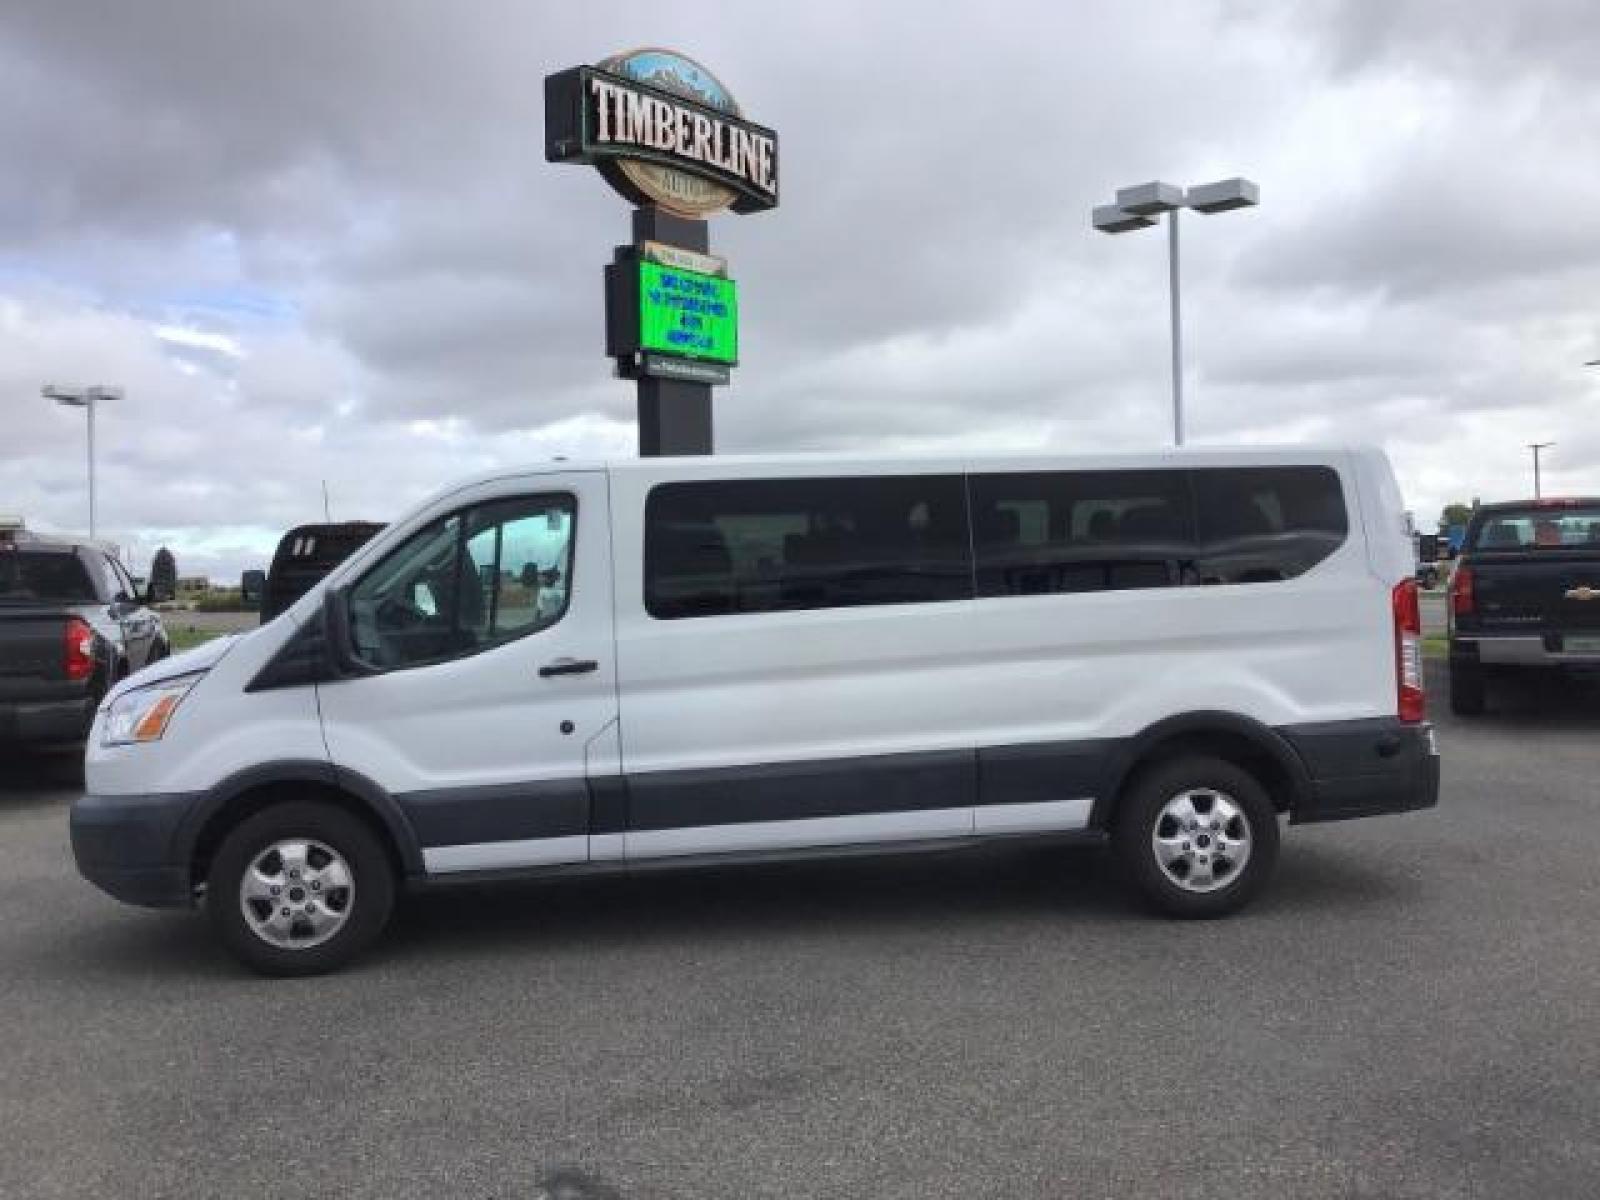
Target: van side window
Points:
(716, 548)
(467, 582)
(1259, 524)
(1042, 532)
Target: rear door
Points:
(487, 629)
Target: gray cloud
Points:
(355, 197)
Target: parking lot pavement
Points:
(1435, 618)
(1409, 1011)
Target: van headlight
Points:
(142, 714)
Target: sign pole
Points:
(674, 414)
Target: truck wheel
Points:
(1197, 836)
(1467, 691)
(299, 889)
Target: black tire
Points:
(1142, 809)
(371, 898)
(1468, 691)
(157, 652)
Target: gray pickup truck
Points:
(1525, 595)
(72, 623)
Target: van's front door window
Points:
(469, 581)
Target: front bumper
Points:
(46, 720)
(1365, 769)
(128, 846)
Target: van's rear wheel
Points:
(1197, 836)
(299, 889)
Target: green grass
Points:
(1435, 645)
(187, 637)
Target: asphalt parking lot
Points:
(1412, 1010)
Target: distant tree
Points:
(1455, 514)
(163, 575)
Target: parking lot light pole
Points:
(1140, 207)
(87, 399)
(1536, 447)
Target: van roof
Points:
(697, 464)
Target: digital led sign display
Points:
(688, 314)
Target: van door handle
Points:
(568, 666)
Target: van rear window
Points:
(1088, 531)
(1260, 524)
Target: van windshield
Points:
(41, 576)
(1575, 527)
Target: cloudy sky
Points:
(319, 242)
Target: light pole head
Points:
(1223, 195)
(74, 397)
(1112, 218)
(1150, 199)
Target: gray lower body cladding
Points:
(139, 848)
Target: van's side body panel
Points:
(984, 715)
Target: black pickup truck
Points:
(71, 624)
(1525, 595)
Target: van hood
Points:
(201, 658)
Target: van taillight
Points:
(79, 649)
(1461, 597)
(1408, 651)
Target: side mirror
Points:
(123, 605)
(336, 633)
(252, 586)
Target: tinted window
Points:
(1259, 524)
(767, 545)
(1080, 531)
(125, 582)
(27, 577)
(108, 577)
(466, 582)
(1536, 528)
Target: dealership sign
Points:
(662, 130)
(666, 134)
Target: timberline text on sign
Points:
(625, 116)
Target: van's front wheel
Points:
(299, 889)
(1198, 836)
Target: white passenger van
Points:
(702, 660)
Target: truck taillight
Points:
(1461, 597)
(1413, 702)
(78, 649)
